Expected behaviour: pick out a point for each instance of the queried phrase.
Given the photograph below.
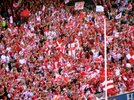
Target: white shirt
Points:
(95, 54)
(40, 57)
(5, 58)
(8, 48)
(117, 72)
(22, 61)
(43, 8)
(11, 19)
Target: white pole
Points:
(105, 58)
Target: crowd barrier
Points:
(125, 96)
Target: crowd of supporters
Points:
(50, 51)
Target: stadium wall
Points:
(125, 96)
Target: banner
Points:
(99, 8)
(126, 96)
(79, 5)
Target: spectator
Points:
(59, 53)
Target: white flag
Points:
(99, 8)
(118, 16)
(79, 5)
(66, 1)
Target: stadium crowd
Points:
(50, 51)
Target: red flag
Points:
(132, 60)
(25, 13)
(59, 43)
(99, 59)
(110, 85)
(70, 24)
